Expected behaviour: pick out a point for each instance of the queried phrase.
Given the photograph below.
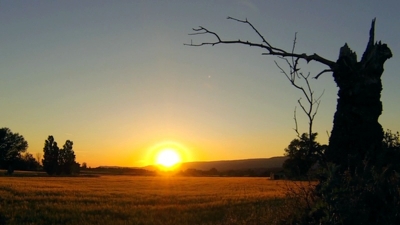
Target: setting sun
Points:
(168, 157)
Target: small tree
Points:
(84, 165)
(66, 158)
(50, 156)
(11, 147)
(301, 156)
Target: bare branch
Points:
(295, 123)
(317, 102)
(302, 107)
(295, 77)
(292, 75)
(327, 133)
(322, 72)
(255, 30)
(271, 50)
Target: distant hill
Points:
(242, 164)
(237, 168)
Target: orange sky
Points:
(116, 79)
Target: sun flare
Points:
(168, 158)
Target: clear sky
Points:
(115, 78)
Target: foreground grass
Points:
(139, 200)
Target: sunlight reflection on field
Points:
(138, 200)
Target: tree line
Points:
(56, 161)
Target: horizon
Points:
(178, 164)
(116, 79)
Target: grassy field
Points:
(139, 200)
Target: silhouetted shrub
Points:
(371, 196)
(303, 153)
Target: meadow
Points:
(139, 200)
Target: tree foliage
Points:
(59, 161)
(303, 153)
(50, 156)
(11, 147)
(66, 158)
(27, 162)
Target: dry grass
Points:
(139, 200)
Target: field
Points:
(139, 200)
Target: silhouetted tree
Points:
(357, 185)
(84, 165)
(301, 158)
(59, 161)
(75, 168)
(356, 134)
(213, 171)
(11, 147)
(66, 158)
(50, 156)
(26, 161)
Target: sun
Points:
(168, 158)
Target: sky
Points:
(115, 77)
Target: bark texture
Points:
(356, 136)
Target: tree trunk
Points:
(10, 169)
(356, 136)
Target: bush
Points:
(371, 195)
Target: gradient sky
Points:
(115, 78)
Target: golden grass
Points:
(139, 200)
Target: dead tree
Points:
(356, 135)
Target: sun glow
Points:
(168, 158)
(175, 154)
